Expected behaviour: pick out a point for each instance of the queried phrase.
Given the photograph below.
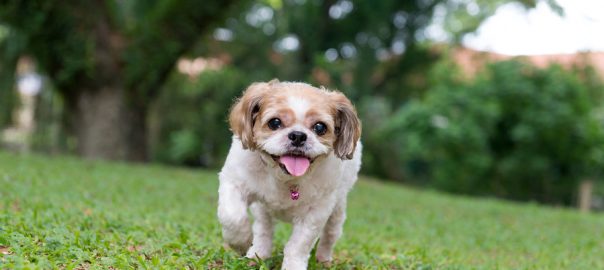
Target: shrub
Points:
(514, 131)
(190, 118)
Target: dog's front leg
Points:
(232, 214)
(331, 232)
(262, 245)
(304, 234)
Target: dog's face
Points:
(295, 123)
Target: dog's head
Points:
(295, 123)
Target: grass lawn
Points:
(59, 212)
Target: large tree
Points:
(108, 59)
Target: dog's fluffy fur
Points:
(254, 176)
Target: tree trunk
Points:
(7, 90)
(585, 194)
(110, 120)
(107, 128)
(136, 132)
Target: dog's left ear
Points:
(348, 127)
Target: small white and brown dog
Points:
(295, 155)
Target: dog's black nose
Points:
(298, 138)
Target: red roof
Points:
(472, 60)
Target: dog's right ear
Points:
(245, 110)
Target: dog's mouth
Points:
(293, 163)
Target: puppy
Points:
(294, 156)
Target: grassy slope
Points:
(66, 213)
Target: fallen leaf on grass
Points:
(217, 264)
(16, 206)
(326, 264)
(4, 250)
(134, 248)
(84, 266)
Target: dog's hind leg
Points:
(331, 232)
(232, 214)
(262, 245)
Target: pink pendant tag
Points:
(293, 192)
(294, 195)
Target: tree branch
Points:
(170, 31)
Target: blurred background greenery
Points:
(153, 80)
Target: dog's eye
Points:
(320, 128)
(274, 123)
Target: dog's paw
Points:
(238, 246)
(238, 238)
(240, 249)
(324, 258)
(258, 252)
(293, 264)
(323, 255)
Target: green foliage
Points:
(7, 97)
(48, 136)
(71, 214)
(127, 49)
(361, 40)
(49, 32)
(515, 131)
(192, 117)
(76, 43)
(7, 76)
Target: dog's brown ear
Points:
(245, 110)
(348, 127)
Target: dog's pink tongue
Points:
(295, 165)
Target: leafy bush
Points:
(515, 131)
(190, 118)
